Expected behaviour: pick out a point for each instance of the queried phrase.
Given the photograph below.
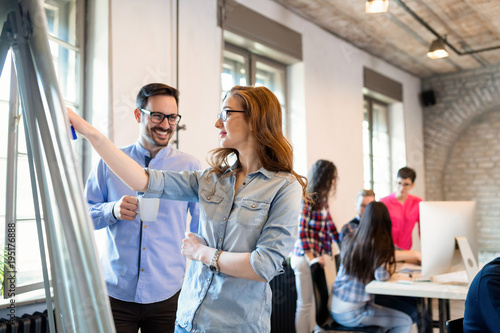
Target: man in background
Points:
(141, 261)
(363, 198)
(403, 208)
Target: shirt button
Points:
(244, 183)
(142, 269)
(145, 227)
(220, 239)
(208, 198)
(143, 248)
(253, 206)
(208, 279)
(110, 221)
(225, 219)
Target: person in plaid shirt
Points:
(366, 255)
(317, 233)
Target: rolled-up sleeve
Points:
(382, 274)
(279, 233)
(156, 183)
(173, 185)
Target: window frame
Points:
(36, 280)
(251, 60)
(368, 106)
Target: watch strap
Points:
(214, 265)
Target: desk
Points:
(442, 291)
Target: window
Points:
(377, 147)
(66, 55)
(241, 67)
(384, 144)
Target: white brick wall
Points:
(473, 173)
(462, 146)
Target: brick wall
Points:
(462, 145)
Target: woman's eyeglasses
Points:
(223, 114)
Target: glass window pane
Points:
(381, 149)
(65, 63)
(61, 19)
(367, 170)
(234, 70)
(380, 121)
(3, 185)
(367, 151)
(376, 147)
(4, 129)
(5, 79)
(25, 204)
(28, 254)
(271, 77)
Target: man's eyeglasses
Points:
(158, 117)
(223, 114)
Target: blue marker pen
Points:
(73, 133)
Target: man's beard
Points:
(160, 142)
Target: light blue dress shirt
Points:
(261, 219)
(141, 262)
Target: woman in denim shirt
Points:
(366, 255)
(248, 212)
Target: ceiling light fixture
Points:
(376, 6)
(441, 40)
(437, 50)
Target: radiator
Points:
(29, 323)
(284, 301)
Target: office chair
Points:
(455, 325)
(323, 316)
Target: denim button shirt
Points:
(261, 219)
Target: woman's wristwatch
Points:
(214, 266)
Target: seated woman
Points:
(366, 255)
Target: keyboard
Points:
(418, 277)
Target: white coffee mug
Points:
(148, 208)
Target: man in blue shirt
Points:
(141, 261)
(482, 306)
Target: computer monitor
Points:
(441, 222)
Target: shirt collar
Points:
(164, 151)
(268, 174)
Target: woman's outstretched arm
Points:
(129, 171)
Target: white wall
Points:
(328, 84)
(142, 47)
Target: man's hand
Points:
(126, 208)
